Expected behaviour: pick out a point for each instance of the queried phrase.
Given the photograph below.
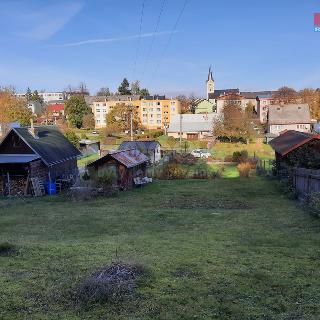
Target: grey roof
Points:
(18, 158)
(143, 146)
(218, 93)
(122, 98)
(255, 94)
(193, 122)
(88, 142)
(51, 145)
(129, 158)
(289, 114)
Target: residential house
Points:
(204, 106)
(56, 111)
(150, 148)
(126, 165)
(230, 98)
(41, 153)
(289, 117)
(35, 107)
(192, 126)
(264, 100)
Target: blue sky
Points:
(253, 45)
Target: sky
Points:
(168, 45)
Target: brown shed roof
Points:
(291, 140)
(129, 158)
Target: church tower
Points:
(210, 83)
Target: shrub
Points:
(7, 248)
(314, 203)
(73, 138)
(172, 171)
(228, 158)
(83, 136)
(184, 158)
(244, 169)
(156, 134)
(106, 180)
(216, 174)
(253, 162)
(201, 170)
(240, 156)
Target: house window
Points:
(159, 121)
(158, 109)
(97, 110)
(98, 121)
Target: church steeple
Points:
(210, 77)
(210, 84)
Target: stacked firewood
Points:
(16, 186)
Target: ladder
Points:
(37, 187)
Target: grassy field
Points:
(221, 249)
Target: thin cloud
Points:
(104, 40)
(39, 23)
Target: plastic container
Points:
(51, 187)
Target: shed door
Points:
(192, 136)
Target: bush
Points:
(228, 158)
(156, 134)
(172, 171)
(73, 138)
(314, 203)
(83, 136)
(244, 169)
(106, 180)
(240, 156)
(184, 158)
(7, 248)
(201, 170)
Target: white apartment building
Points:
(46, 96)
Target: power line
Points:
(171, 35)
(153, 38)
(139, 40)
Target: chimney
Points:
(32, 130)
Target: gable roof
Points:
(220, 92)
(290, 140)
(143, 146)
(289, 114)
(192, 122)
(51, 145)
(129, 158)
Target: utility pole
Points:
(131, 129)
(180, 140)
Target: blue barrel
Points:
(51, 187)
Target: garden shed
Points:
(296, 149)
(150, 148)
(32, 157)
(125, 164)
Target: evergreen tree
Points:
(124, 87)
(28, 95)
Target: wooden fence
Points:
(306, 181)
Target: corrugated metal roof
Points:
(291, 140)
(18, 158)
(129, 158)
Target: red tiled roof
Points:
(56, 107)
(291, 140)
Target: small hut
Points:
(88, 147)
(31, 158)
(127, 165)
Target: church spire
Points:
(210, 77)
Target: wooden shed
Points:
(126, 165)
(35, 155)
(296, 149)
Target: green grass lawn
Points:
(82, 162)
(219, 249)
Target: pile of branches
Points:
(112, 283)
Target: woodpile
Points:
(16, 186)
